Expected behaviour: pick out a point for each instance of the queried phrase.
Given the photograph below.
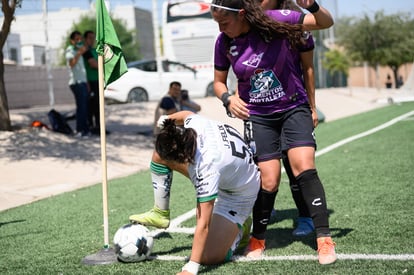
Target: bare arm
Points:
(309, 79)
(220, 80)
(180, 116)
(237, 107)
(320, 19)
(204, 213)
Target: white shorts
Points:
(236, 208)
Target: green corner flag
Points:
(108, 45)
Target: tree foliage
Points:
(8, 8)
(338, 64)
(129, 44)
(381, 40)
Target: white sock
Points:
(161, 177)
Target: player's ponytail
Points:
(175, 143)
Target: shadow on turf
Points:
(174, 249)
(276, 237)
(282, 237)
(6, 223)
(288, 214)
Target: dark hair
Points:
(73, 34)
(175, 143)
(262, 24)
(175, 83)
(184, 94)
(86, 33)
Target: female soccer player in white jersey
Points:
(218, 162)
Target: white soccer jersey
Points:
(223, 166)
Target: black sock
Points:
(314, 195)
(261, 212)
(295, 190)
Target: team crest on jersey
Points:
(263, 81)
(266, 87)
(254, 60)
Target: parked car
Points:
(143, 82)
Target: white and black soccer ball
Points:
(133, 243)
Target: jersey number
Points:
(244, 150)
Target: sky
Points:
(338, 8)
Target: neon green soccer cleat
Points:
(155, 217)
(247, 225)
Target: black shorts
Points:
(276, 133)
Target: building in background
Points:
(27, 33)
(12, 49)
(33, 55)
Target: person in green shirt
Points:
(90, 58)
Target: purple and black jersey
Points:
(269, 74)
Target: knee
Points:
(270, 182)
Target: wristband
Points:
(225, 99)
(313, 8)
(191, 267)
(226, 103)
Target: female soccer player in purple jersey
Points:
(304, 224)
(263, 54)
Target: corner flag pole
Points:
(111, 66)
(105, 255)
(103, 150)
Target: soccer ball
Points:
(133, 243)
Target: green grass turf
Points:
(368, 184)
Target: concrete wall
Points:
(367, 77)
(27, 86)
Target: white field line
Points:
(363, 134)
(378, 257)
(174, 225)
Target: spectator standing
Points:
(388, 83)
(90, 58)
(78, 81)
(400, 82)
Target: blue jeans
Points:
(80, 91)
